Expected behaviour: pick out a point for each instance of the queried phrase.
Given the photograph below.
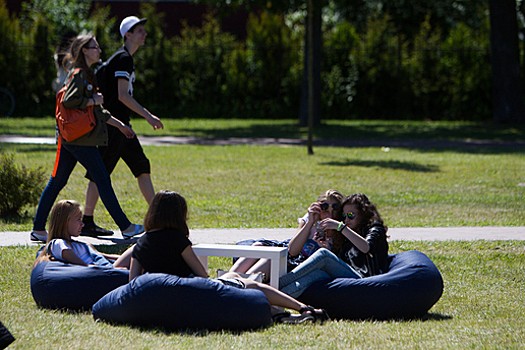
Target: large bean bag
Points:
(58, 285)
(176, 303)
(409, 289)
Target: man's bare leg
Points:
(146, 187)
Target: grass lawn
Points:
(482, 307)
(269, 186)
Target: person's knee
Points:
(323, 252)
(57, 183)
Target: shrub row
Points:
(207, 73)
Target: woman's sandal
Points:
(287, 318)
(317, 314)
(277, 318)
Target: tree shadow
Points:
(387, 164)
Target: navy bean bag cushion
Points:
(58, 285)
(175, 303)
(409, 289)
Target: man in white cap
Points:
(119, 76)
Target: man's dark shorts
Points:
(129, 150)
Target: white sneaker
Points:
(38, 237)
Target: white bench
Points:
(276, 255)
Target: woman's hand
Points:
(323, 242)
(314, 212)
(98, 98)
(330, 224)
(127, 131)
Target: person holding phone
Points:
(364, 251)
(306, 240)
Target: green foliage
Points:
(63, 15)
(199, 56)
(379, 87)
(10, 39)
(342, 72)
(19, 186)
(436, 68)
(104, 30)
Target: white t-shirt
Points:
(310, 246)
(58, 245)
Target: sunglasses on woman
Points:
(325, 206)
(350, 215)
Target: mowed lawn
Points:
(482, 307)
(271, 186)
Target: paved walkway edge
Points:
(233, 235)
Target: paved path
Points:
(490, 233)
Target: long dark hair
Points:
(75, 57)
(168, 210)
(368, 211)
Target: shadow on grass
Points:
(431, 316)
(24, 148)
(389, 164)
(369, 130)
(182, 332)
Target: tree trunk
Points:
(317, 48)
(507, 90)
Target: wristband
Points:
(341, 227)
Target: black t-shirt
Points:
(160, 252)
(375, 262)
(120, 67)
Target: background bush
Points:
(19, 186)
(370, 71)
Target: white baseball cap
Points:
(128, 23)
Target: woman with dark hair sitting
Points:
(166, 248)
(363, 253)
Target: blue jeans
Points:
(67, 158)
(321, 265)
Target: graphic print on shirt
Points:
(351, 255)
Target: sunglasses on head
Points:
(325, 206)
(350, 215)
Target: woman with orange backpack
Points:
(80, 93)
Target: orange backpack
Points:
(73, 123)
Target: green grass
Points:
(482, 307)
(256, 186)
(271, 186)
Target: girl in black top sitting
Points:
(165, 248)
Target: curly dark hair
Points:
(368, 210)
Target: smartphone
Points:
(320, 232)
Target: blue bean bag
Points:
(58, 285)
(409, 289)
(175, 303)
